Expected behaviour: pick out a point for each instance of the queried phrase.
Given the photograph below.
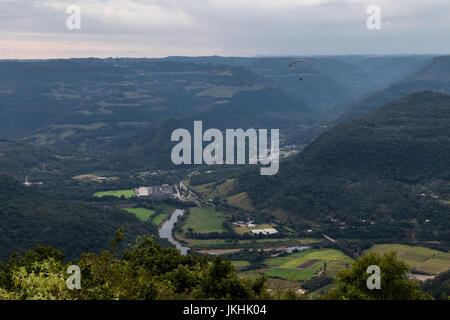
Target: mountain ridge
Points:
(374, 168)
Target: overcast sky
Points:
(158, 28)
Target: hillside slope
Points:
(330, 80)
(30, 218)
(385, 174)
(435, 76)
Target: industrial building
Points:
(160, 192)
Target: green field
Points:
(419, 258)
(203, 220)
(240, 264)
(159, 218)
(115, 193)
(445, 202)
(335, 259)
(322, 291)
(243, 263)
(162, 212)
(290, 274)
(212, 190)
(241, 200)
(259, 243)
(303, 265)
(141, 213)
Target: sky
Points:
(33, 29)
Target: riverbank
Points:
(166, 230)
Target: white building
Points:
(142, 192)
(265, 231)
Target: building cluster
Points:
(264, 231)
(248, 224)
(160, 192)
(252, 225)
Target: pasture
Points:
(141, 213)
(240, 264)
(241, 200)
(115, 193)
(418, 258)
(162, 212)
(258, 243)
(290, 274)
(159, 218)
(313, 259)
(203, 220)
(303, 265)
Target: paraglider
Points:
(297, 61)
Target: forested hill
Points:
(30, 218)
(390, 167)
(435, 76)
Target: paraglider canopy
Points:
(297, 61)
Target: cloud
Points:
(225, 27)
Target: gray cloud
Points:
(224, 27)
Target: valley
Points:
(362, 167)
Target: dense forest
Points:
(384, 174)
(30, 217)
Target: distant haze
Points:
(157, 28)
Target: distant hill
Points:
(383, 175)
(94, 110)
(330, 81)
(93, 114)
(30, 218)
(434, 76)
(80, 99)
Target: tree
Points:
(352, 283)
(42, 280)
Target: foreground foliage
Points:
(145, 271)
(149, 271)
(352, 283)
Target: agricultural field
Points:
(303, 265)
(242, 229)
(244, 244)
(418, 258)
(290, 274)
(141, 213)
(224, 91)
(94, 178)
(159, 218)
(162, 212)
(212, 190)
(115, 193)
(313, 260)
(225, 192)
(240, 200)
(203, 220)
(240, 264)
(322, 291)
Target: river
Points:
(166, 231)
